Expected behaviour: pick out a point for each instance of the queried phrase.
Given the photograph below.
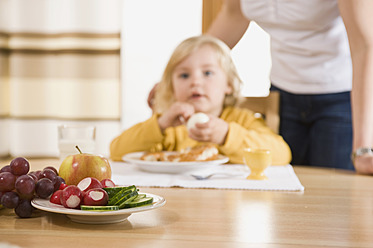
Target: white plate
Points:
(92, 217)
(171, 167)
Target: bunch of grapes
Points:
(18, 186)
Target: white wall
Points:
(152, 29)
(253, 62)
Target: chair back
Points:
(268, 107)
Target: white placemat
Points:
(280, 178)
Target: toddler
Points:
(200, 77)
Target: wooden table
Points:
(335, 210)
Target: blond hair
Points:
(164, 95)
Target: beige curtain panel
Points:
(59, 64)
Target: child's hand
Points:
(215, 131)
(175, 115)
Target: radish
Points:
(107, 183)
(96, 197)
(56, 197)
(63, 186)
(89, 183)
(71, 197)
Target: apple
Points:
(76, 167)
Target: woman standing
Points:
(322, 55)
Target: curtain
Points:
(59, 64)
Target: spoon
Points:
(204, 177)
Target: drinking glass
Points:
(70, 136)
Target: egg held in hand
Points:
(197, 118)
(76, 167)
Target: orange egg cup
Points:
(258, 160)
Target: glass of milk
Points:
(70, 136)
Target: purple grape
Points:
(48, 173)
(7, 181)
(19, 166)
(34, 176)
(52, 168)
(10, 199)
(37, 174)
(57, 182)
(6, 168)
(24, 209)
(44, 188)
(25, 186)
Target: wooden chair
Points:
(268, 107)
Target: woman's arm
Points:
(358, 19)
(230, 24)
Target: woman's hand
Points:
(215, 131)
(364, 164)
(175, 115)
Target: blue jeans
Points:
(318, 128)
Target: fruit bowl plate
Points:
(171, 167)
(95, 217)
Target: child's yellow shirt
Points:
(245, 130)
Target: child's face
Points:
(200, 81)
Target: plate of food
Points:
(97, 217)
(198, 158)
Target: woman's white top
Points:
(309, 44)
